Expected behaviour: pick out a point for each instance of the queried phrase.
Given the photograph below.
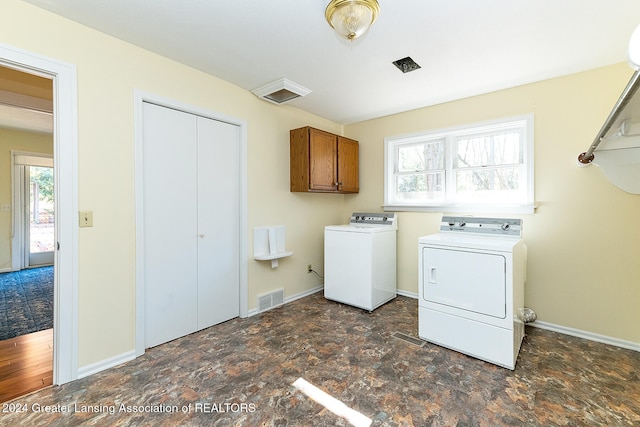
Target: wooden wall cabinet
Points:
(322, 162)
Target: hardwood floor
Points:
(26, 364)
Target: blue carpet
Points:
(26, 302)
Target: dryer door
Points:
(464, 280)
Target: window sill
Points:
(468, 209)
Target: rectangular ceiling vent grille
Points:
(282, 95)
(281, 91)
(406, 65)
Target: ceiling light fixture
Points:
(352, 18)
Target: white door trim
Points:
(65, 154)
(139, 98)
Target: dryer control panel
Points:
(487, 226)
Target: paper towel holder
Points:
(269, 244)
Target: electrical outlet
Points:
(309, 269)
(85, 218)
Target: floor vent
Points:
(270, 300)
(409, 339)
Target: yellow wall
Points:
(18, 141)
(108, 72)
(584, 239)
(583, 270)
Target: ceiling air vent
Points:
(406, 64)
(281, 91)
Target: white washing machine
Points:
(360, 260)
(471, 287)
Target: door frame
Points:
(65, 158)
(139, 98)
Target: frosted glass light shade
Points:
(352, 18)
(634, 49)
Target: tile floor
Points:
(240, 373)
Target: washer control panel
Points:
(360, 218)
(487, 226)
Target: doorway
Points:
(26, 338)
(62, 78)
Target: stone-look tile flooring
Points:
(240, 373)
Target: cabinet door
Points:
(323, 165)
(299, 160)
(348, 165)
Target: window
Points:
(482, 167)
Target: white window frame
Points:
(449, 135)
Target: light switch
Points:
(86, 218)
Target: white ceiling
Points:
(465, 47)
(25, 112)
(19, 118)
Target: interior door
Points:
(170, 224)
(218, 222)
(191, 222)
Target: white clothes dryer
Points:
(360, 260)
(471, 287)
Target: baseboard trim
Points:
(288, 299)
(617, 342)
(629, 345)
(407, 294)
(105, 364)
(111, 362)
(128, 356)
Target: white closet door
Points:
(170, 224)
(218, 222)
(191, 171)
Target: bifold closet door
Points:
(191, 223)
(218, 221)
(170, 197)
